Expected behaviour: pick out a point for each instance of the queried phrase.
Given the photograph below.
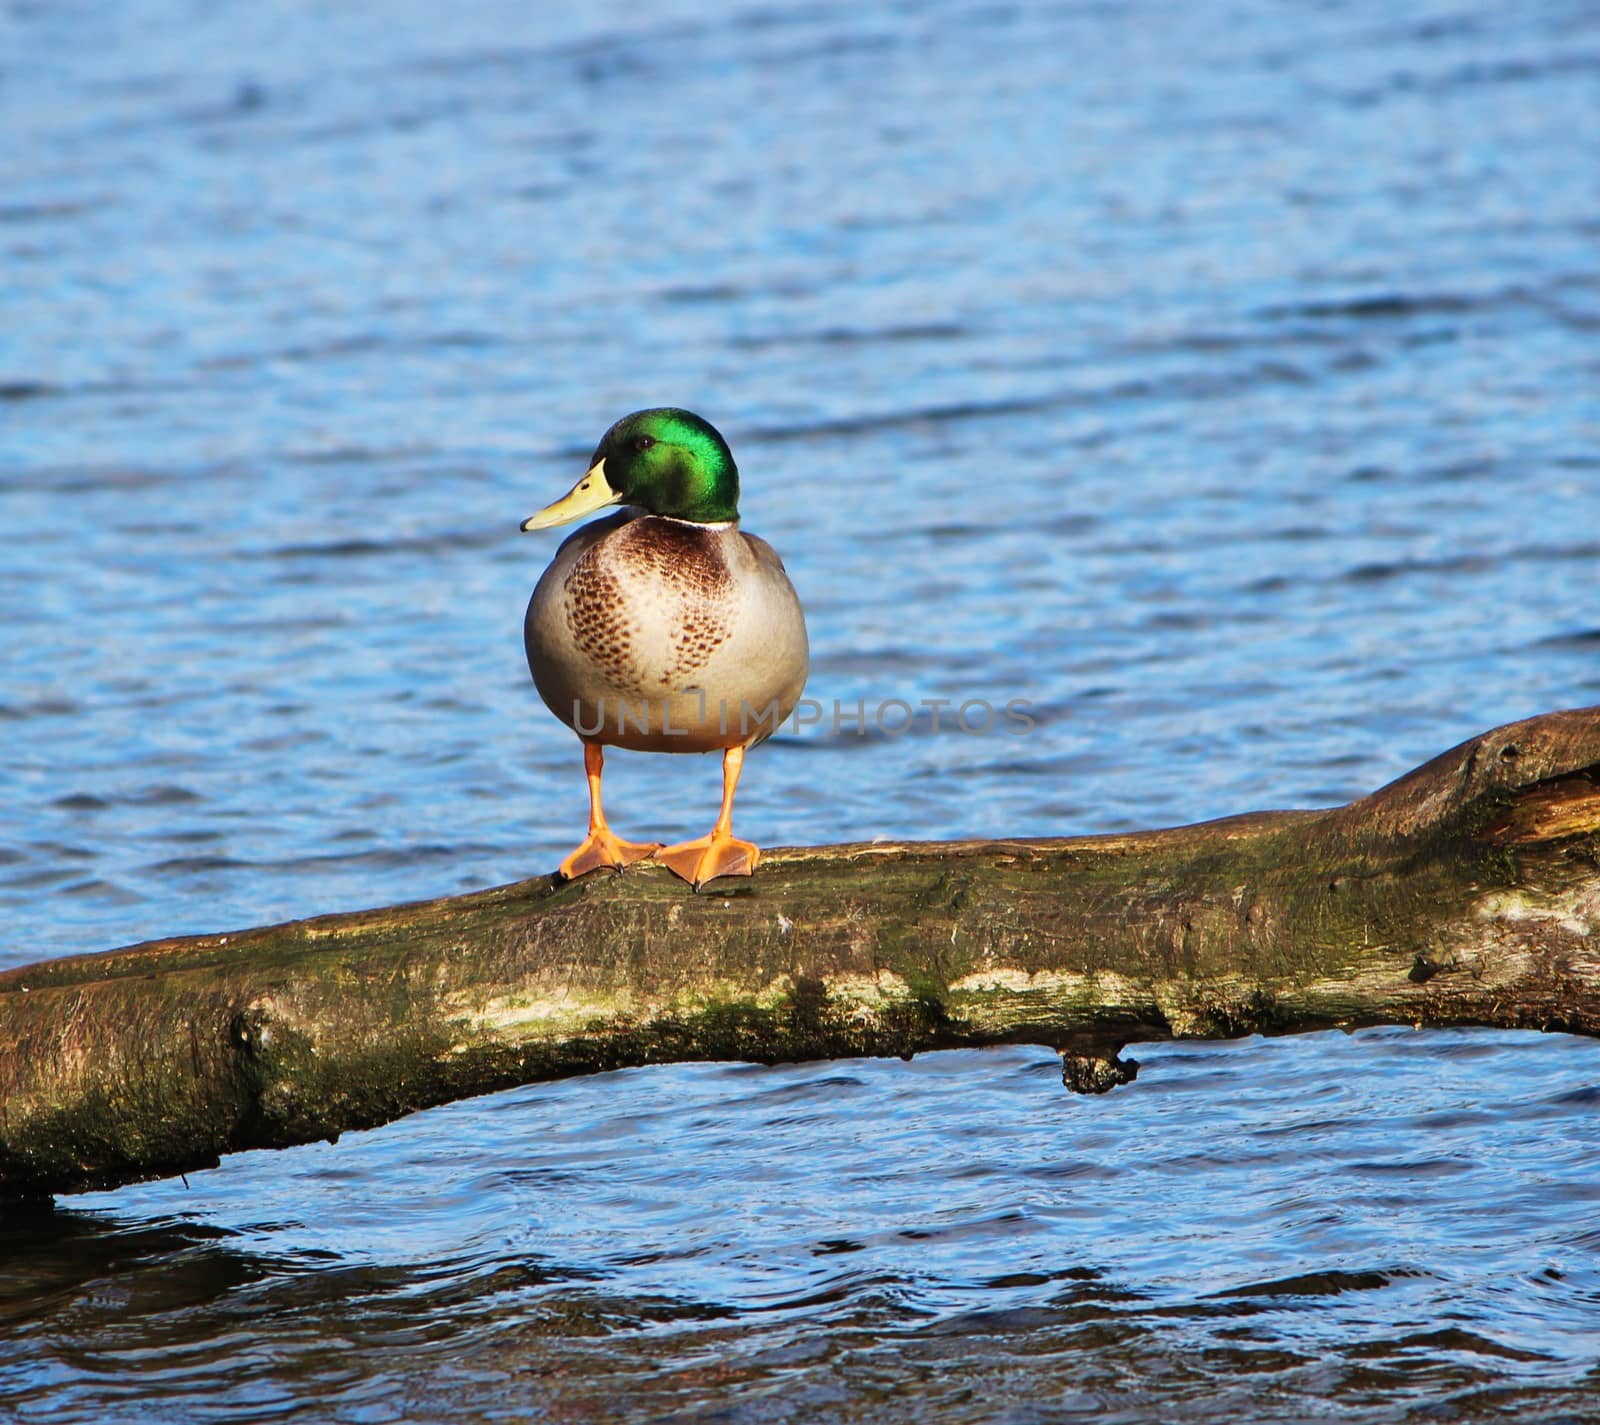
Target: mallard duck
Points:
(665, 627)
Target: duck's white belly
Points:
(663, 636)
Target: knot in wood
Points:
(251, 1028)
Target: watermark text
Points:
(672, 716)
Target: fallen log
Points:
(1466, 893)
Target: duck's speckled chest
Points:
(651, 602)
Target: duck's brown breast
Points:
(652, 576)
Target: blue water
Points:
(1218, 379)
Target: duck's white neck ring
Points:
(693, 524)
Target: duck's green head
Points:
(665, 461)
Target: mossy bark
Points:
(1466, 893)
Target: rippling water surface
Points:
(1219, 378)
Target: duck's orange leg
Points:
(601, 848)
(721, 853)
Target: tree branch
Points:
(1465, 893)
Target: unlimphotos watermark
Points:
(886, 717)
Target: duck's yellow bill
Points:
(591, 493)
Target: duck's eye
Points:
(642, 443)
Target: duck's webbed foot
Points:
(601, 848)
(707, 857)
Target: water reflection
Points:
(863, 1237)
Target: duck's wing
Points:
(765, 553)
